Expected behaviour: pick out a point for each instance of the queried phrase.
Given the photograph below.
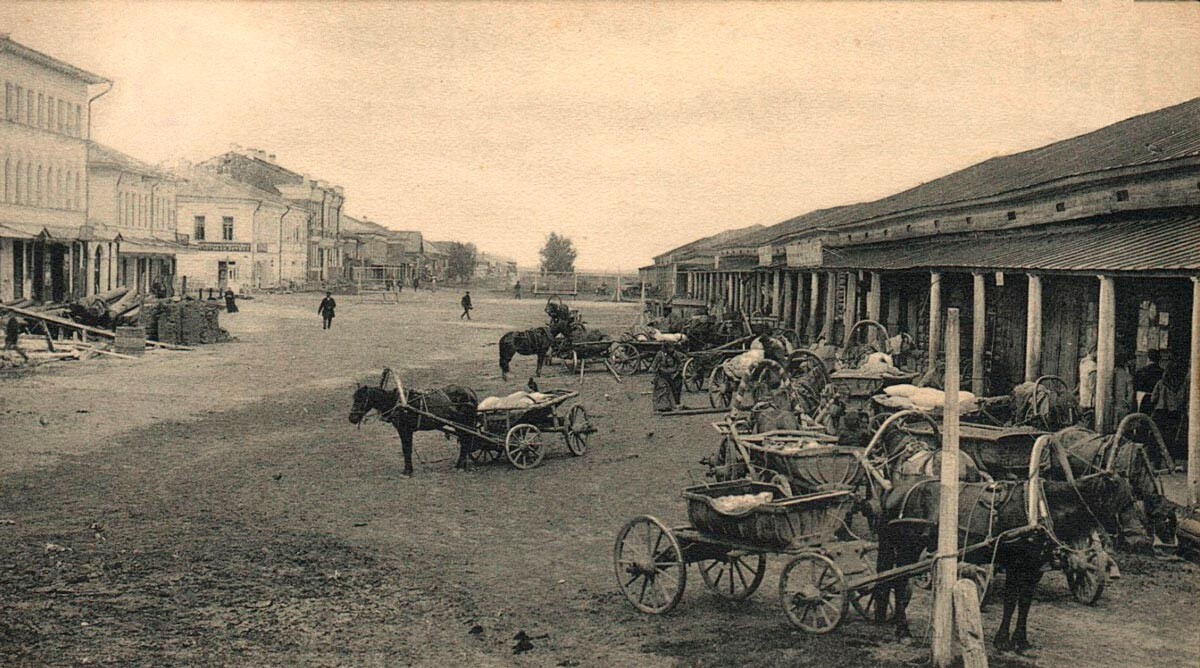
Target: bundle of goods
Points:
(740, 365)
(647, 333)
(880, 363)
(903, 397)
(737, 504)
(515, 400)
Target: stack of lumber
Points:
(108, 309)
(187, 322)
(41, 350)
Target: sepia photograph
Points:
(600, 333)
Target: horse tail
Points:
(507, 350)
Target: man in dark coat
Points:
(466, 304)
(1145, 379)
(12, 336)
(326, 310)
(668, 381)
(230, 301)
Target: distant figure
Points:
(230, 301)
(466, 304)
(517, 289)
(416, 282)
(433, 284)
(12, 333)
(667, 385)
(326, 310)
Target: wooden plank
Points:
(63, 322)
(1105, 354)
(1193, 435)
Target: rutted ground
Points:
(217, 508)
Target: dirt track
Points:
(217, 508)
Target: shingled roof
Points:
(1159, 136)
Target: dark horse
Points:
(537, 341)
(987, 510)
(452, 403)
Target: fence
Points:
(614, 286)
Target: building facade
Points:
(237, 236)
(46, 250)
(321, 200)
(131, 205)
(1086, 248)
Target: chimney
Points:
(272, 157)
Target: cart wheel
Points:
(625, 359)
(649, 565)
(735, 577)
(523, 446)
(813, 592)
(692, 378)
(484, 455)
(1085, 580)
(718, 390)
(577, 430)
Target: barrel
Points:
(130, 340)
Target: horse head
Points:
(361, 404)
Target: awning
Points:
(1143, 245)
(148, 246)
(14, 233)
(57, 233)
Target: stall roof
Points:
(1168, 243)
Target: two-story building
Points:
(237, 236)
(46, 251)
(322, 200)
(133, 204)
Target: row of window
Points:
(226, 228)
(145, 210)
(30, 107)
(30, 183)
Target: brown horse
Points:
(993, 511)
(452, 403)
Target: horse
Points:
(987, 511)
(1088, 452)
(534, 341)
(452, 403)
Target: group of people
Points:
(1156, 389)
(327, 309)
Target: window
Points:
(1122, 195)
(198, 232)
(41, 117)
(8, 181)
(1012, 215)
(968, 220)
(78, 122)
(227, 228)
(62, 117)
(9, 94)
(51, 107)
(39, 194)
(17, 98)
(30, 107)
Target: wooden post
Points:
(850, 313)
(969, 624)
(786, 310)
(978, 334)
(831, 282)
(1105, 354)
(875, 297)
(893, 313)
(814, 302)
(777, 298)
(1033, 329)
(1193, 437)
(935, 319)
(947, 553)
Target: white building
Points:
(47, 251)
(237, 236)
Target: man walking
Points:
(326, 310)
(12, 335)
(466, 304)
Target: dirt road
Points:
(217, 508)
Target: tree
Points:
(558, 255)
(461, 263)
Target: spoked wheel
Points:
(625, 359)
(578, 428)
(484, 455)
(718, 388)
(735, 577)
(813, 592)
(649, 565)
(693, 379)
(788, 335)
(1084, 572)
(523, 446)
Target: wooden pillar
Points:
(1193, 435)
(978, 334)
(1106, 330)
(814, 301)
(893, 313)
(777, 308)
(1033, 329)
(935, 318)
(850, 313)
(799, 307)
(785, 303)
(875, 297)
(946, 569)
(831, 281)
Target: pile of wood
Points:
(107, 309)
(183, 323)
(42, 349)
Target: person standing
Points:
(326, 310)
(668, 379)
(466, 305)
(1146, 379)
(12, 335)
(230, 301)
(517, 289)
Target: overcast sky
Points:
(630, 128)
